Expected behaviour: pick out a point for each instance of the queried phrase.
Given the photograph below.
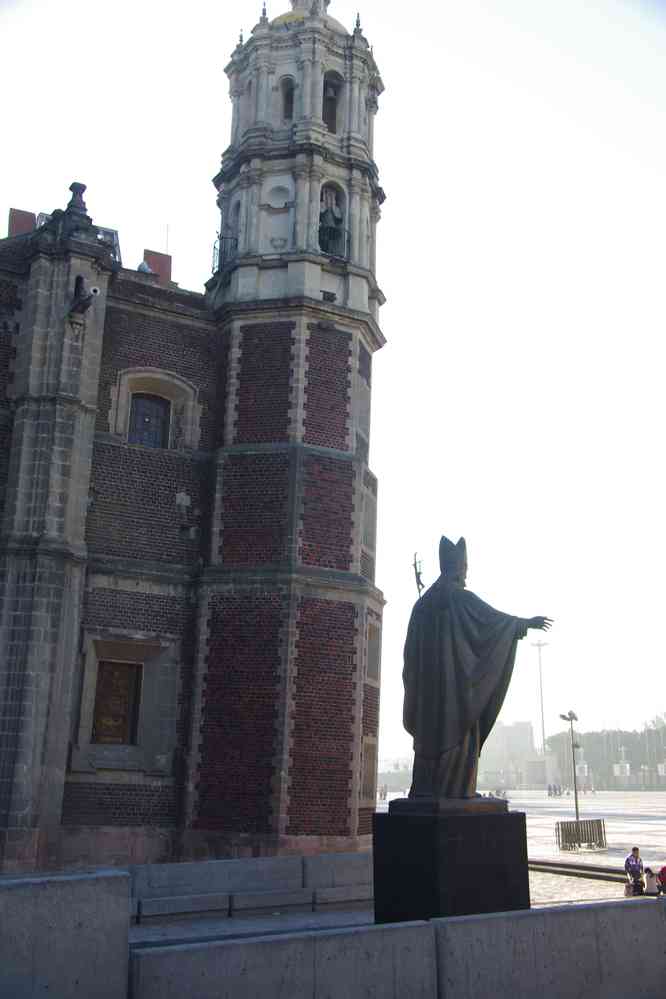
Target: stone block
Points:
(389, 962)
(427, 866)
(333, 870)
(603, 951)
(257, 901)
(236, 969)
(343, 894)
(64, 936)
(185, 905)
(255, 874)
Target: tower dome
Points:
(300, 10)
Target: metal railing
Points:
(334, 241)
(224, 251)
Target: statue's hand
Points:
(540, 624)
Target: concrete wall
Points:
(387, 962)
(64, 936)
(605, 951)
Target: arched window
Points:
(169, 403)
(333, 237)
(150, 419)
(287, 99)
(332, 91)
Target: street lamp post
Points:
(571, 718)
(540, 646)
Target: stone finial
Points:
(77, 204)
(357, 28)
(264, 15)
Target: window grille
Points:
(149, 421)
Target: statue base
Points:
(455, 860)
(448, 806)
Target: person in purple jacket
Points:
(633, 866)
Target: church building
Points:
(190, 629)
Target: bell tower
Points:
(284, 747)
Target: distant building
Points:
(505, 755)
(189, 624)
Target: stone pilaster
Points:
(42, 548)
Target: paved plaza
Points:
(633, 818)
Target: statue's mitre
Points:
(452, 557)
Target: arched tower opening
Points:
(333, 86)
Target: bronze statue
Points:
(459, 658)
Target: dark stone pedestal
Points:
(454, 864)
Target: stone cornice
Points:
(236, 157)
(313, 307)
(31, 546)
(212, 576)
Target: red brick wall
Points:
(150, 340)
(238, 732)
(151, 613)
(327, 388)
(370, 710)
(133, 513)
(92, 804)
(255, 513)
(262, 409)
(323, 719)
(328, 493)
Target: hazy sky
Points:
(522, 146)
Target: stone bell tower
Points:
(286, 712)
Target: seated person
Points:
(662, 880)
(651, 882)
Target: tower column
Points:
(255, 215)
(235, 94)
(375, 216)
(302, 175)
(355, 217)
(365, 227)
(243, 227)
(262, 92)
(359, 107)
(317, 86)
(306, 90)
(373, 107)
(316, 178)
(355, 88)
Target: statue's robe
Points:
(459, 657)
